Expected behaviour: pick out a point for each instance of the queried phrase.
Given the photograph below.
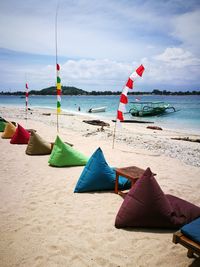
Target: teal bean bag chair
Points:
(98, 176)
(63, 155)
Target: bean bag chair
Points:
(37, 146)
(63, 155)
(98, 176)
(21, 136)
(2, 126)
(2, 119)
(147, 206)
(183, 211)
(9, 130)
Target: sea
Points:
(186, 118)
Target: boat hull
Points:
(96, 110)
(145, 109)
(146, 113)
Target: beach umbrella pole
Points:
(114, 132)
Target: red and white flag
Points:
(26, 96)
(129, 85)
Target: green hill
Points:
(71, 90)
(66, 90)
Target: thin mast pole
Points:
(114, 131)
(26, 96)
(56, 43)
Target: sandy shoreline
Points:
(134, 135)
(43, 223)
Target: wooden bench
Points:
(192, 246)
(132, 173)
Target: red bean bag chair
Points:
(21, 136)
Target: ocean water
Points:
(187, 118)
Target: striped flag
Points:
(58, 89)
(26, 97)
(26, 94)
(129, 85)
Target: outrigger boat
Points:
(142, 109)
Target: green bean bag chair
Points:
(63, 155)
(2, 119)
(2, 126)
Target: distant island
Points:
(70, 90)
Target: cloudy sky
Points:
(100, 43)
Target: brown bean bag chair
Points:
(37, 145)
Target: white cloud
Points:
(88, 74)
(119, 30)
(177, 57)
(174, 67)
(104, 41)
(187, 30)
(95, 69)
(104, 74)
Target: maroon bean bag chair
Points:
(147, 206)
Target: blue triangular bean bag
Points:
(98, 176)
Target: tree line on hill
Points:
(70, 90)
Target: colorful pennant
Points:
(26, 94)
(59, 89)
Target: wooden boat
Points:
(95, 110)
(141, 109)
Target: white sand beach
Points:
(44, 223)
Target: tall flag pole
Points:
(124, 99)
(58, 80)
(58, 90)
(26, 93)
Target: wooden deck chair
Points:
(189, 237)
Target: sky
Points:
(100, 43)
